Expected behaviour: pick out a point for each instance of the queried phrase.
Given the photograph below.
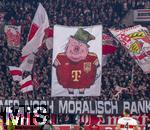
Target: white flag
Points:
(26, 84)
(16, 73)
(27, 63)
(37, 31)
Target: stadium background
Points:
(110, 13)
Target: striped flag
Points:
(16, 73)
(26, 85)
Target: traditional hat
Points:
(83, 36)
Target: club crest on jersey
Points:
(87, 67)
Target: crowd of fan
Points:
(120, 69)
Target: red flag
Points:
(108, 49)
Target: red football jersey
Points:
(76, 75)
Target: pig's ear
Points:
(71, 39)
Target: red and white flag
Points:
(26, 85)
(107, 39)
(37, 31)
(16, 73)
(27, 63)
(117, 91)
(49, 38)
(136, 41)
(108, 48)
(13, 35)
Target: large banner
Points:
(93, 107)
(137, 42)
(77, 57)
(62, 111)
(13, 35)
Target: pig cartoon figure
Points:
(76, 67)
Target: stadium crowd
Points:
(120, 69)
